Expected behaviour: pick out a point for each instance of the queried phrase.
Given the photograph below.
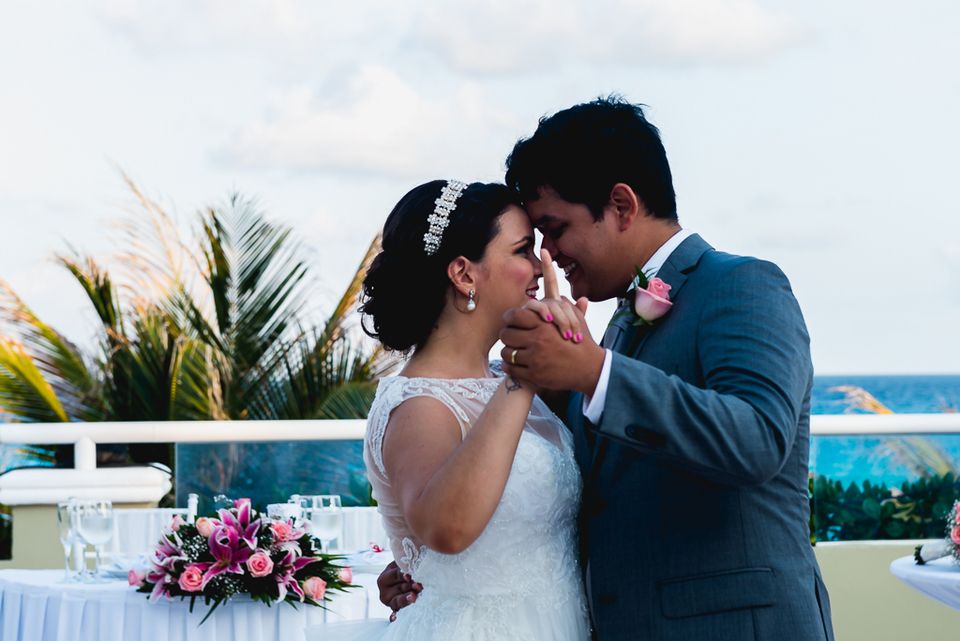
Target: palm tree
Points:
(218, 332)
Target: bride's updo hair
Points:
(405, 289)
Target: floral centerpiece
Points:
(949, 546)
(240, 551)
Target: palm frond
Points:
(218, 273)
(270, 271)
(158, 373)
(99, 288)
(350, 400)
(24, 393)
(334, 326)
(154, 261)
(58, 360)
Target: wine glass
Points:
(66, 526)
(326, 518)
(95, 526)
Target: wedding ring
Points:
(513, 357)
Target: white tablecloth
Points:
(939, 580)
(34, 606)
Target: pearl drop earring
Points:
(471, 304)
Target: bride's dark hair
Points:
(404, 290)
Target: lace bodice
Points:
(530, 543)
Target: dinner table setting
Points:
(236, 574)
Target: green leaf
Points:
(871, 508)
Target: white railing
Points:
(874, 424)
(86, 436)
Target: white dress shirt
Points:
(593, 406)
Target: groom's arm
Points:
(753, 350)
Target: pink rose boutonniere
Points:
(651, 299)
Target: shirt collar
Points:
(652, 266)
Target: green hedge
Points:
(915, 510)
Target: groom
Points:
(692, 429)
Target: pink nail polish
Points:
(568, 334)
(578, 337)
(549, 318)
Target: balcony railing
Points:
(86, 436)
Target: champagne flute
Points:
(66, 526)
(95, 527)
(326, 519)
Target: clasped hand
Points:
(547, 342)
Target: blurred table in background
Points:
(36, 606)
(939, 580)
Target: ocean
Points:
(887, 459)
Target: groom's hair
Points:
(583, 151)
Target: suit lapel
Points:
(674, 272)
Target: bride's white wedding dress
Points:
(520, 580)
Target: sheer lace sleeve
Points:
(393, 392)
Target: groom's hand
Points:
(537, 353)
(397, 590)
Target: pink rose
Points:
(658, 288)
(282, 531)
(192, 579)
(260, 564)
(176, 522)
(136, 577)
(345, 574)
(314, 588)
(239, 503)
(957, 515)
(955, 535)
(205, 527)
(653, 302)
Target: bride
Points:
(474, 476)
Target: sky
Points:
(819, 135)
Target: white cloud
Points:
(378, 123)
(473, 36)
(496, 36)
(290, 30)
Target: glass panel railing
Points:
(269, 472)
(883, 487)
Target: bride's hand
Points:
(556, 309)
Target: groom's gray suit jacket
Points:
(695, 506)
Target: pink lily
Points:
(246, 529)
(286, 569)
(160, 581)
(229, 554)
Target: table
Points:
(939, 580)
(34, 606)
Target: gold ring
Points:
(513, 357)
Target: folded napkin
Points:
(369, 560)
(932, 551)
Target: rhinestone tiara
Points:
(440, 218)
